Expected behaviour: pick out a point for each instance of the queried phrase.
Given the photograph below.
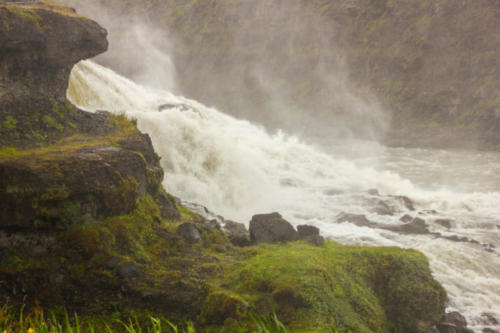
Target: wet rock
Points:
(128, 269)
(306, 230)
(357, 219)
(190, 232)
(406, 218)
(488, 319)
(168, 208)
(453, 322)
(166, 106)
(237, 233)
(382, 208)
(490, 330)
(372, 191)
(289, 182)
(333, 191)
(444, 223)
(271, 228)
(416, 226)
(405, 201)
(211, 225)
(428, 212)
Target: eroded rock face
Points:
(56, 189)
(40, 45)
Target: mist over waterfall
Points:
(237, 169)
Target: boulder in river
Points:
(453, 322)
(271, 228)
(444, 223)
(415, 226)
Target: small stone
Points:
(373, 191)
(306, 230)
(59, 278)
(128, 269)
(112, 262)
(190, 232)
(488, 319)
(237, 233)
(444, 223)
(220, 249)
(416, 226)
(490, 330)
(406, 218)
(211, 225)
(405, 201)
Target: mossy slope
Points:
(216, 285)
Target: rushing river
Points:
(237, 169)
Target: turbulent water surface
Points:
(237, 169)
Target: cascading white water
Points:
(237, 169)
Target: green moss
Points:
(222, 305)
(52, 123)
(9, 152)
(353, 288)
(27, 14)
(9, 123)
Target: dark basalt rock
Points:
(271, 228)
(168, 208)
(237, 233)
(190, 232)
(453, 322)
(405, 201)
(444, 223)
(306, 230)
(406, 218)
(357, 219)
(490, 330)
(488, 319)
(128, 269)
(415, 226)
(38, 57)
(310, 234)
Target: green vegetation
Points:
(361, 289)
(27, 14)
(58, 321)
(9, 123)
(52, 123)
(349, 288)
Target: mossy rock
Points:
(355, 288)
